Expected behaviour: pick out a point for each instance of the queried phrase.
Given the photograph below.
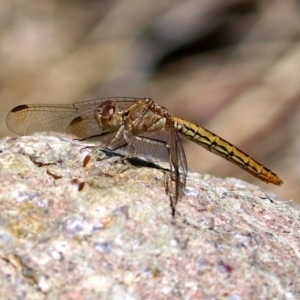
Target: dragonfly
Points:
(135, 127)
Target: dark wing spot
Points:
(20, 107)
(75, 121)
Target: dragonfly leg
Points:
(100, 147)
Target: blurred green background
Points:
(230, 66)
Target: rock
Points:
(105, 231)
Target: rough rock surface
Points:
(69, 232)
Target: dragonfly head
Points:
(107, 116)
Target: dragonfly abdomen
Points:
(221, 147)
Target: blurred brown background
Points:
(230, 66)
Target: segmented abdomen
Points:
(219, 146)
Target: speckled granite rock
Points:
(68, 232)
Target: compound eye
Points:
(111, 111)
(108, 109)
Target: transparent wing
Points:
(77, 118)
(164, 148)
(169, 150)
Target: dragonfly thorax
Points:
(144, 116)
